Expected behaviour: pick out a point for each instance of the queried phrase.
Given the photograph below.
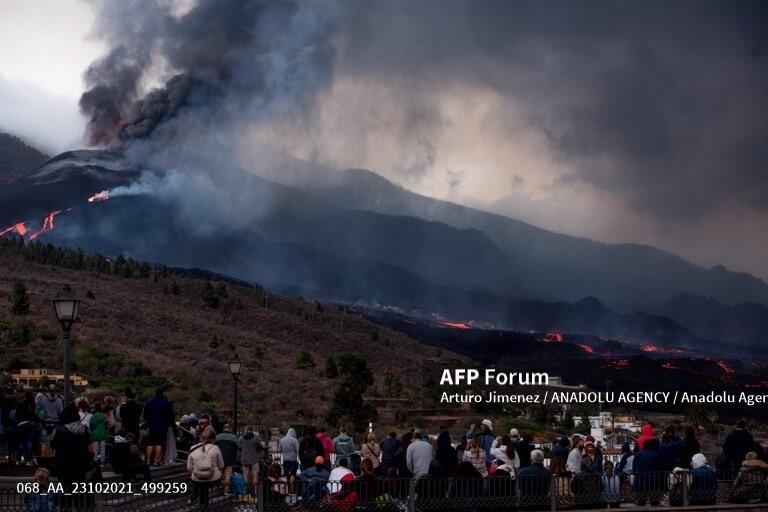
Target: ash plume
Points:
(223, 57)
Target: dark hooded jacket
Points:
(446, 459)
(70, 440)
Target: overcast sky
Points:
(623, 121)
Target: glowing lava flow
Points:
(726, 367)
(456, 325)
(586, 348)
(19, 228)
(47, 223)
(101, 196)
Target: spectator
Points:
(691, 446)
(749, 485)
(337, 474)
(401, 462)
(26, 428)
(703, 482)
(573, 464)
(648, 482)
(371, 450)
(523, 449)
(598, 457)
(84, 410)
(445, 457)
(254, 450)
(535, 480)
(346, 499)
(327, 442)
(738, 443)
(289, 447)
(126, 458)
(42, 500)
(309, 448)
(419, 456)
(670, 448)
(485, 439)
(52, 404)
(646, 433)
(98, 428)
(611, 486)
(625, 462)
(476, 456)
(70, 440)
(560, 456)
(205, 463)
(344, 446)
(588, 458)
(367, 485)
(277, 490)
(129, 414)
(314, 481)
(503, 450)
(389, 447)
(158, 415)
(467, 480)
(514, 435)
(587, 484)
(228, 444)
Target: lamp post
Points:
(234, 368)
(66, 304)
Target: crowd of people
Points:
(316, 467)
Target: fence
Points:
(495, 493)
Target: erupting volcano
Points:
(48, 221)
(100, 196)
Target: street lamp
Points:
(66, 304)
(234, 368)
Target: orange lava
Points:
(48, 223)
(101, 196)
(553, 337)
(586, 348)
(456, 325)
(20, 228)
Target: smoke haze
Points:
(622, 121)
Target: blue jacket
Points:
(646, 467)
(668, 452)
(534, 480)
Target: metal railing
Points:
(495, 493)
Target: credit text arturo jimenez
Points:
(492, 377)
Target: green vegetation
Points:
(303, 361)
(107, 369)
(348, 405)
(19, 298)
(393, 387)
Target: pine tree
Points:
(354, 380)
(19, 298)
(303, 361)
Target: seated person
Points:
(126, 458)
(314, 480)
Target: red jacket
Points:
(647, 434)
(327, 445)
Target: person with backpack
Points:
(344, 446)
(228, 444)
(309, 448)
(205, 464)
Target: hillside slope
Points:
(17, 158)
(137, 322)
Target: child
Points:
(611, 486)
(42, 500)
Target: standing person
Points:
(647, 433)
(560, 456)
(670, 448)
(648, 483)
(70, 440)
(503, 450)
(485, 438)
(125, 458)
(445, 456)
(573, 464)
(371, 450)
(129, 414)
(736, 446)
(389, 446)
(524, 449)
(158, 416)
(52, 403)
(691, 446)
(625, 462)
(98, 429)
(289, 447)
(703, 482)
(344, 446)
(535, 478)
(611, 486)
(309, 448)
(475, 455)
(205, 464)
(401, 462)
(84, 411)
(327, 442)
(228, 444)
(253, 451)
(26, 428)
(419, 456)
